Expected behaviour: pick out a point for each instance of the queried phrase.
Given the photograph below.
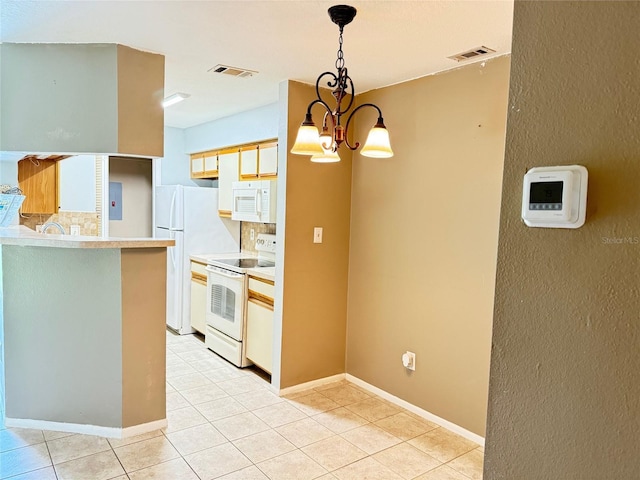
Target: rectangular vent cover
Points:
(469, 54)
(233, 71)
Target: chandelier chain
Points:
(340, 59)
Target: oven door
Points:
(225, 301)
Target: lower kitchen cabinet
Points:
(259, 341)
(198, 296)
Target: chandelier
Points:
(323, 146)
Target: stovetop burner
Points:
(246, 262)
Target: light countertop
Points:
(267, 273)
(20, 235)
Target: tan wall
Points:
(144, 290)
(137, 197)
(314, 303)
(424, 228)
(140, 94)
(565, 372)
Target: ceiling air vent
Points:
(233, 71)
(469, 54)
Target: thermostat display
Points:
(555, 197)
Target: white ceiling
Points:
(388, 42)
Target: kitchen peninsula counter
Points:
(25, 237)
(84, 323)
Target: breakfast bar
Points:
(84, 332)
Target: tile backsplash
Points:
(248, 245)
(88, 222)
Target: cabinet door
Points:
(249, 163)
(260, 334)
(211, 165)
(227, 174)
(268, 160)
(198, 303)
(38, 180)
(197, 165)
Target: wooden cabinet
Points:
(204, 165)
(255, 161)
(228, 164)
(249, 162)
(268, 160)
(38, 180)
(259, 341)
(197, 165)
(211, 164)
(259, 161)
(198, 297)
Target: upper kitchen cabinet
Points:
(204, 165)
(268, 160)
(249, 162)
(228, 172)
(38, 180)
(259, 161)
(78, 98)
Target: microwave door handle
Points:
(258, 201)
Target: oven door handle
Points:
(222, 272)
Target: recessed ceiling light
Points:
(173, 99)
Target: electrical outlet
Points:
(252, 234)
(409, 360)
(39, 228)
(75, 229)
(317, 235)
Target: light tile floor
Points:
(225, 423)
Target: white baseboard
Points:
(463, 432)
(311, 384)
(109, 432)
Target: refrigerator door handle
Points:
(172, 250)
(172, 209)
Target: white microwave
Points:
(254, 201)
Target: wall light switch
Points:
(317, 235)
(252, 234)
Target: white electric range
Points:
(227, 298)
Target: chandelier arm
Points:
(331, 83)
(321, 102)
(346, 128)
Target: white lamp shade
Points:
(327, 156)
(377, 144)
(307, 141)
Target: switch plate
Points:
(252, 234)
(317, 235)
(39, 228)
(75, 229)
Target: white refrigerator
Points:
(189, 215)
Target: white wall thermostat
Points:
(555, 197)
